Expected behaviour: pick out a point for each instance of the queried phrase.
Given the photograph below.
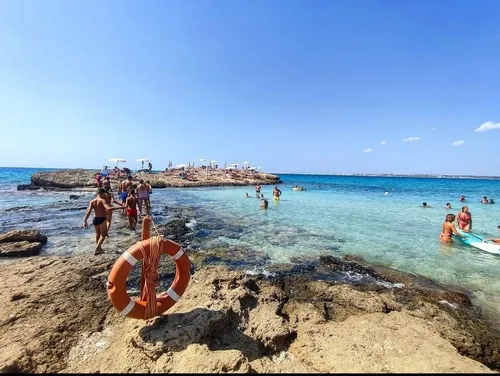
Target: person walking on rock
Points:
(100, 208)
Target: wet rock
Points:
(16, 209)
(23, 235)
(20, 249)
(74, 197)
(28, 187)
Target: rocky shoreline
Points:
(80, 178)
(56, 317)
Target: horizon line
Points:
(305, 173)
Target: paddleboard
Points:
(479, 242)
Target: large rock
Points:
(20, 249)
(23, 235)
(28, 187)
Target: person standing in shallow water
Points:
(449, 229)
(464, 219)
(100, 208)
(109, 213)
(132, 205)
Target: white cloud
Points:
(433, 129)
(458, 143)
(383, 142)
(367, 150)
(410, 139)
(488, 126)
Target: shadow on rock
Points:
(219, 330)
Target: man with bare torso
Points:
(100, 208)
(124, 188)
(132, 203)
(109, 213)
(143, 196)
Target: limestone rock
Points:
(20, 249)
(23, 235)
(28, 187)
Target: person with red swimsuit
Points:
(464, 219)
(132, 203)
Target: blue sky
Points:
(292, 86)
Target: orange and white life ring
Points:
(117, 279)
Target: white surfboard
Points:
(478, 242)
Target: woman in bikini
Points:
(464, 219)
(448, 229)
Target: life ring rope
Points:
(148, 250)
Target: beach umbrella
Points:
(235, 164)
(202, 159)
(229, 168)
(142, 160)
(117, 161)
(246, 162)
(181, 166)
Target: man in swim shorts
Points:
(124, 188)
(143, 195)
(131, 204)
(257, 188)
(100, 208)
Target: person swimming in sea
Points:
(424, 204)
(276, 193)
(246, 195)
(497, 241)
(448, 205)
(462, 198)
(265, 204)
(449, 229)
(485, 200)
(464, 219)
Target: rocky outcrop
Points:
(20, 249)
(23, 235)
(21, 243)
(56, 317)
(79, 178)
(28, 187)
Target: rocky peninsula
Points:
(56, 317)
(197, 177)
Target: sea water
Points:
(378, 218)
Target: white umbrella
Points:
(202, 159)
(213, 161)
(229, 168)
(117, 161)
(234, 164)
(246, 162)
(181, 166)
(142, 160)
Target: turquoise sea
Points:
(335, 215)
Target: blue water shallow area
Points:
(336, 215)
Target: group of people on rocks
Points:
(133, 198)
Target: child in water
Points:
(449, 229)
